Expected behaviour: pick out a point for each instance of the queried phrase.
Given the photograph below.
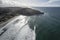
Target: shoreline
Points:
(7, 13)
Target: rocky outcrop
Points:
(9, 12)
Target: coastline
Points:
(7, 13)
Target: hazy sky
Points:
(30, 2)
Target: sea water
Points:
(47, 25)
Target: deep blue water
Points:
(47, 25)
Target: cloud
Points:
(8, 3)
(50, 1)
(53, 3)
(30, 3)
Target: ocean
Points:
(35, 27)
(48, 24)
